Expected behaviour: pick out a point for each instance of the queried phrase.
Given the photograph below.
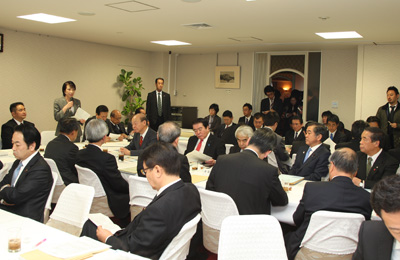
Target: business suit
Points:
(251, 182)
(7, 131)
(63, 152)
(354, 144)
(338, 137)
(227, 135)
(315, 167)
(106, 168)
(384, 166)
(134, 145)
(277, 106)
(280, 153)
(154, 228)
(383, 114)
(214, 146)
(235, 149)
(31, 189)
(374, 242)
(152, 111)
(242, 121)
(216, 123)
(340, 194)
(59, 114)
(289, 137)
(116, 129)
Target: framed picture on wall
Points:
(227, 77)
(1, 42)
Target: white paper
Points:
(81, 114)
(196, 156)
(102, 220)
(114, 136)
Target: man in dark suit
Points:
(214, 121)
(101, 113)
(380, 239)
(357, 128)
(251, 182)
(158, 105)
(373, 163)
(144, 136)
(271, 102)
(26, 187)
(337, 195)
(18, 113)
(154, 228)
(374, 121)
(106, 168)
(63, 151)
(115, 125)
(204, 142)
(312, 159)
(227, 130)
(333, 133)
(247, 118)
(296, 132)
(243, 133)
(169, 132)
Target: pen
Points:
(38, 244)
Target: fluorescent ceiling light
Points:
(339, 35)
(171, 43)
(46, 18)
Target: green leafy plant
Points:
(132, 95)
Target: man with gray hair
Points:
(106, 168)
(243, 133)
(251, 182)
(339, 194)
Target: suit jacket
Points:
(354, 144)
(251, 182)
(152, 111)
(289, 137)
(106, 168)
(316, 165)
(116, 129)
(7, 131)
(338, 138)
(59, 103)
(278, 105)
(383, 114)
(154, 228)
(63, 152)
(227, 135)
(340, 194)
(281, 154)
(385, 165)
(31, 189)
(234, 149)
(374, 242)
(215, 124)
(134, 145)
(242, 121)
(214, 146)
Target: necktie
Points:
(369, 165)
(392, 113)
(271, 106)
(331, 136)
(199, 145)
(15, 174)
(295, 135)
(141, 141)
(307, 154)
(246, 121)
(159, 106)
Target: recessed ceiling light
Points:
(339, 35)
(171, 43)
(46, 18)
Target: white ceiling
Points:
(280, 25)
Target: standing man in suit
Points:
(116, 126)
(18, 112)
(333, 133)
(214, 121)
(144, 136)
(104, 165)
(380, 239)
(63, 151)
(337, 195)
(26, 187)
(204, 142)
(312, 159)
(243, 133)
(101, 113)
(158, 105)
(373, 163)
(154, 228)
(227, 130)
(389, 115)
(271, 102)
(251, 182)
(296, 132)
(247, 118)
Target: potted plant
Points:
(132, 95)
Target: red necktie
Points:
(141, 141)
(199, 145)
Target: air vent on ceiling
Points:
(132, 6)
(245, 39)
(198, 26)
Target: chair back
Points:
(88, 177)
(228, 148)
(333, 232)
(59, 184)
(140, 191)
(47, 136)
(47, 207)
(251, 237)
(179, 247)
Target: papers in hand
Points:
(81, 114)
(102, 220)
(196, 156)
(114, 137)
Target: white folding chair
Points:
(47, 136)
(228, 148)
(59, 184)
(100, 202)
(141, 194)
(331, 233)
(215, 207)
(179, 247)
(251, 237)
(72, 209)
(47, 207)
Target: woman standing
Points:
(67, 106)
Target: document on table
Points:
(196, 156)
(291, 179)
(81, 114)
